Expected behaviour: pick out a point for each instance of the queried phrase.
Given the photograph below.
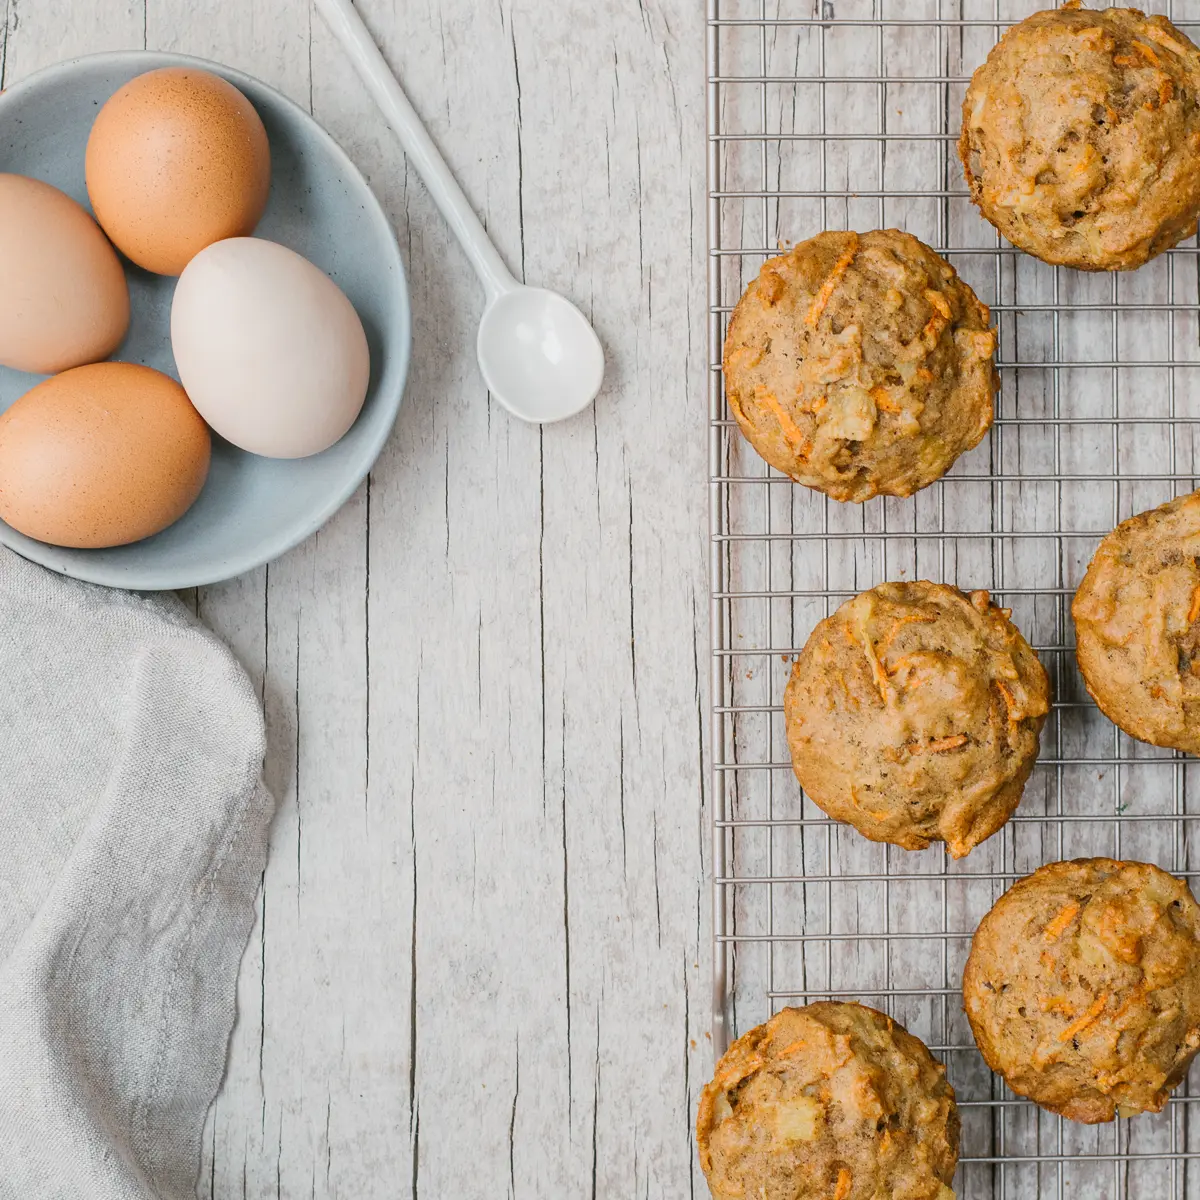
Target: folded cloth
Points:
(133, 826)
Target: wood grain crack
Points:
(328, 1143)
(566, 910)
(416, 1157)
(698, 696)
(687, 1078)
(367, 658)
(412, 959)
(414, 1115)
(512, 1120)
(279, 1159)
(542, 597)
(632, 606)
(657, 893)
(520, 148)
(621, 794)
(296, 752)
(596, 1107)
(262, 994)
(10, 23)
(637, 130)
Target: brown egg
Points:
(63, 299)
(177, 159)
(101, 455)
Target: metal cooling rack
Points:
(843, 114)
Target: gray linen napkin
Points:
(132, 841)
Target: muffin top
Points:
(1137, 625)
(1081, 137)
(860, 364)
(1083, 987)
(834, 1100)
(913, 713)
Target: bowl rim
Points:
(391, 385)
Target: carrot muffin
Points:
(1137, 625)
(913, 713)
(860, 364)
(1081, 137)
(1083, 987)
(831, 1101)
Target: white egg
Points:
(268, 348)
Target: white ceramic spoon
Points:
(540, 357)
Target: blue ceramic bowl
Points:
(252, 509)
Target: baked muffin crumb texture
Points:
(914, 714)
(1081, 136)
(830, 1100)
(1083, 987)
(1137, 625)
(860, 364)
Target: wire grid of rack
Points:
(844, 114)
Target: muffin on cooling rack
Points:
(1081, 137)
(1137, 625)
(1083, 987)
(828, 1101)
(860, 364)
(914, 712)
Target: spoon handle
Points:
(348, 28)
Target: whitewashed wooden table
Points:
(481, 966)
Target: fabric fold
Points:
(133, 828)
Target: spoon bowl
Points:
(539, 355)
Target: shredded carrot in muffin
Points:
(844, 1182)
(1137, 994)
(791, 431)
(1146, 52)
(933, 328)
(883, 401)
(1056, 928)
(1194, 611)
(821, 299)
(880, 675)
(1081, 1023)
(938, 302)
(1164, 39)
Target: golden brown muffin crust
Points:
(914, 712)
(1081, 137)
(860, 364)
(1137, 625)
(1083, 987)
(831, 1100)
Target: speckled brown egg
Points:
(177, 159)
(101, 455)
(63, 298)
